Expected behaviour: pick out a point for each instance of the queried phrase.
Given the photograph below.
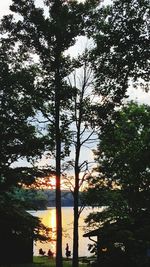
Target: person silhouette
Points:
(41, 252)
(68, 252)
(50, 253)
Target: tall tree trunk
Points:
(59, 262)
(58, 49)
(75, 227)
(76, 189)
(58, 202)
(76, 204)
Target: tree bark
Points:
(76, 200)
(58, 198)
(75, 227)
(59, 262)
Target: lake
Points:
(48, 218)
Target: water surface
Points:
(48, 218)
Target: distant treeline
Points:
(43, 198)
(66, 198)
(46, 198)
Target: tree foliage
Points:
(48, 36)
(120, 33)
(83, 133)
(122, 185)
(19, 140)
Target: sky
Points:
(137, 95)
(134, 94)
(4, 7)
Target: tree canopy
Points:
(48, 36)
(34, 81)
(120, 56)
(123, 183)
(19, 139)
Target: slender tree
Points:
(81, 115)
(46, 36)
(83, 107)
(111, 28)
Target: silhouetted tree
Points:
(83, 131)
(48, 35)
(120, 56)
(122, 185)
(19, 140)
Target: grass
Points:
(43, 261)
(46, 262)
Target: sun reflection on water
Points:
(48, 217)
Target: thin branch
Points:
(45, 115)
(37, 120)
(86, 139)
(83, 131)
(80, 210)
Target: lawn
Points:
(44, 261)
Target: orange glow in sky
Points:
(46, 183)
